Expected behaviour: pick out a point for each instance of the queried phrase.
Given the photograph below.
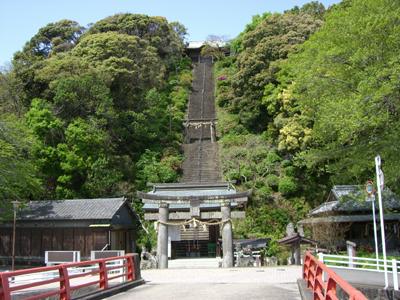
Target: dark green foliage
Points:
(257, 66)
(347, 88)
(18, 174)
(314, 8)
(54, 37)
(325, 98)
(287, 186)
(256, 99)
(272, 181)
(290, 171)
(96, 102)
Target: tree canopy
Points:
(315, 92)
(94, 100)
(347, 86)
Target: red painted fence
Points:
(312, 272)
(64, 278)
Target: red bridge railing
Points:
(313, 272)
(97, 266)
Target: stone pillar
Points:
(351, 252)
(297, 253)
(162, 239)
(213, 135)
(187, 137)
(292, 254)
(227, 236)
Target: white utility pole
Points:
(380, 182)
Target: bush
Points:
(287, 186)
(290, 172)
(273, 157)
(272, 181)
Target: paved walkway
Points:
(235, 283)
(365, 277)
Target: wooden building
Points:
(346, 204)
(193, 51)
(79, 225)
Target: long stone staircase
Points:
(201, 161)
(202, 158)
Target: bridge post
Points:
(227, 236)
(162, 238)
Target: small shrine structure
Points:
(294, 240)
(200, 204)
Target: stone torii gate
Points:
(197, 123)
(194, 194)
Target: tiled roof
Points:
(184, 207)
(255, 243)
(191, 190)
(347, 198)
(349, 218)
(87, 209)
(199, 44)
(344, 190)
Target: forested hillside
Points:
(310, 97)
(85, 111)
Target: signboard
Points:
(369, 187)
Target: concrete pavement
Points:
(364, 277)
(225, 283)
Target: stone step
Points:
(208, 167)
(194, 263)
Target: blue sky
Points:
(20, 20)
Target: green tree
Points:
(12, 100)
(83, 97)
(314, 8)
(265, 48)
(84, 145)
(152, 168)
(51, 37)
(347, 86)
(236, 45)
(165, 37)
(18, 174)
(94, 100)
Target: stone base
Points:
(245, 262)
(146, 265)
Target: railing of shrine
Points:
(313, 271)
(92, 272)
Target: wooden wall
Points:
(35, 241)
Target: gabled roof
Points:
(294, 237)
(185, 207)
(196, 44)
(254, 243)
(339, 191)
(199, 44)
(347, 198)
(87, 209)
(349, 218)
(210, 194)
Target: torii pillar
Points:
(162, 238)
(227, 236)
